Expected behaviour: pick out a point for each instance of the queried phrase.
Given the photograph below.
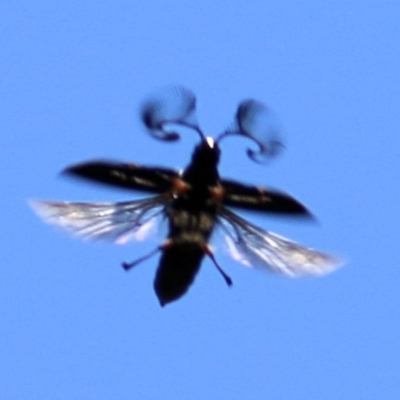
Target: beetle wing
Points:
(124, 175)
(112, 222)
(259, 199)
(258, 248)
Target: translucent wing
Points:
(112, 222)
(258, 122)
(173, 105)
(265, 250)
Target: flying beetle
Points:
(194, 202)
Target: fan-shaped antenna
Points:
(259, 123)
(174, 105)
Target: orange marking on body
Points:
(180, 186)
(167, 244)
(207, 250)
(217, 193)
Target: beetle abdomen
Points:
(178, 267)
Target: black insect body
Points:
(191, 217)
(193, 202)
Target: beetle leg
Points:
(127, 266)
(210, 254)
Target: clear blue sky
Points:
(74, 325)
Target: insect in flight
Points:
(193, 201)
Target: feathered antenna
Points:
(174, 105)
(259, 123)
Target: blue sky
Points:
(75, 325)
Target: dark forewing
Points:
(265, 250)
(113, 222)
(258, 199)
(123, 175)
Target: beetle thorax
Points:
(202, 170)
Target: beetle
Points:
(194, 202)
